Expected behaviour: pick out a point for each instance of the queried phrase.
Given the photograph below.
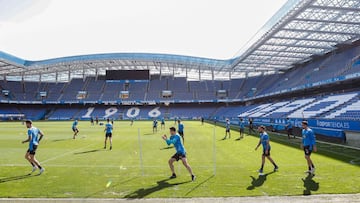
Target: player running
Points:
(155, 123)
(289, 128)
(227, 129)
(181, 130)
(108, 133)
(34, 140)
(242, 128)
(180, 153)
(309, 145)
(265, 142)
(162, 123)
(74, 128)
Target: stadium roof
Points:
(299, 30)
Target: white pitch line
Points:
(64, 154)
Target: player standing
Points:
(34, 140)
(227, 129)
(202, 120)
(289, 128)
(180, 153)
(74, 128)
(92, 120)
(265, 142)
(162, 123)
(309, 145)
(108, 133)
(97, 120)
(242, 127)
(251, 126)
(181, 130)
(155, 122)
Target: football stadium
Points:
(165, 127)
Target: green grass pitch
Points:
(82, 168)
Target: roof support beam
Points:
(288, 51)
(347, 9)
(295, 45)
(267, 62)
(322, 32)
(305, 39)
(326, 21)
(276, 55)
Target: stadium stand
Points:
(290, 107)
(335, 64)
(323, 89)
(321, 106)
(348, 112)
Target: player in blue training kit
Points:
(175, 139)
(242, 127)
(162, 123)
(289, 128)
(251, 126)
(309, 145)
(108, 133)
(265, 142)
(74, 128)
(227, 129)
(155, 123)
(181, 130)
(33, 139)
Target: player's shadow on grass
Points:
(258, 182)
(170, 147)
(143, 192)
(149, 133)
(89, 151)
(238, 139)
(59, 140)
(310, 184)
(13, 178)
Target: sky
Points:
(44, 29)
